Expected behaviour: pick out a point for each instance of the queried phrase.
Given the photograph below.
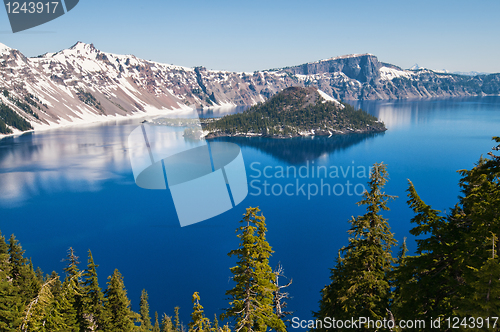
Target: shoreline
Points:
(211, 135)
(153, 111)
(90, 118)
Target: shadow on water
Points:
(301, 149)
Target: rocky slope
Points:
(83, 84)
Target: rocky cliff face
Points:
(84, 84)
(364, 77)
(362, 68)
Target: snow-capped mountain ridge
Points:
(82, 84)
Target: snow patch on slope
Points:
(391, 73)
(328, 98)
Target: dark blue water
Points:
(74, 187)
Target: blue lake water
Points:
(74, 187)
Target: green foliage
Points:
(120, 316)
(177, 320)
(3, 128)
(166, 324)
(10, 304)
(56, 320)
(45, 311)
(295, 110)
(456, 270)
(156, 327)
(29, 302)
(426, 281)
(93, 297)
(360, 280)
(251, 300)
(21, 271)
(199, 322)
(144, 312)
(25, 106)
(89, 99)
(74, 313)
(11, 118)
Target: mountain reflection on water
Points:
(301, 149)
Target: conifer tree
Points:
(396, 297)
(119, 315)
(56, 286)
(23, 279)
(39, 275)
(426, 282)
(215, 326)
(166, 324)
(21, 271)
(144, 312)
(93, 299)
(32, 282)
(199, 322)
(156, 327)
(360, 280)
(455, 271)
(177, 321)
(73, 292)
(60, 304)
(17, 261)
(43, 312)
(478, 213)
(251, 300)
(11, 307)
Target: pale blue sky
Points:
(252, 35)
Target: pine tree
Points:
(215, 327)
(455, 263)
(251, 300)
(455, 271)
(11, 307)
(93, 298)
(21, 271)
(426, 282)
(120, 316)
(32, 282)
(199, 322)
(485, 298)
(43, 312)
(166, 324)
(39, 275)
(397, 298)
(177, 321)
(144, 312)
(156, 327)
(55, 320)
(17, 261)
(24, 281)
(73, 314)
(360, 280)
(479, 216)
